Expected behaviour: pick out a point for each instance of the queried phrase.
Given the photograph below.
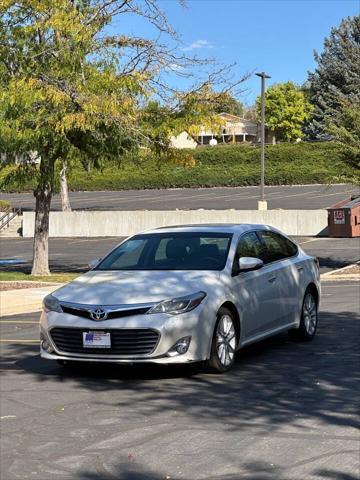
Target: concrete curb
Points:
(336, 275)
(26, 300)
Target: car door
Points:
(255, 292)
(284, 275)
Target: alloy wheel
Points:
(225, 340)
(310, 314)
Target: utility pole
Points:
(262, 204)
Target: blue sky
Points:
(277, 36)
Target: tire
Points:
(224, 342)
(309, 318)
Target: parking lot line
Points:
(311, 240)
(19, 341)
(18, 321)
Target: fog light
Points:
(45, 344)
(180, 347)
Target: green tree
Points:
(69, 89)
(336, 77)
(195, 109)
(286, 110)
(345, 129)
(226, 103)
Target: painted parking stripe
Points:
(18, 321)
(19, 341)
(308, 241)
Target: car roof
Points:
(211, 227)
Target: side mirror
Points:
(93, 263)
(250, 263)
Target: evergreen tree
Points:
(337, 76)
(345, 129)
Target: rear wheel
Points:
(224, 342)
(309, 318)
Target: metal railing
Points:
(8, 216)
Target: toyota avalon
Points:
(191, 293)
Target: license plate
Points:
(96, 340)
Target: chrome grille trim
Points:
(112, 311)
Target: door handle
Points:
(300, 269)
(272, 279)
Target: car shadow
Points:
(277, 377)
(274, 384)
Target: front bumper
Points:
(165, 360)
(170, 329)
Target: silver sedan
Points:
(191, 293)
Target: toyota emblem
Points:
(98, 314)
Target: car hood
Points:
(132, 287)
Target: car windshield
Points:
(170, 251)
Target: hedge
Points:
(237, 165)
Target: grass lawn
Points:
(53, 278)
(230, 165)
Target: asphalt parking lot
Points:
(218, 198)
(287, 410)
(73, 254)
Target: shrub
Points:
(228, 165)
(4, 205)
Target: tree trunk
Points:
(41, 233)
(64, 192)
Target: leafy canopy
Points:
(62, 93)
(71, 91)
(69, 88)
(286, 109)
(229, 104)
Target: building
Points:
(234, 130)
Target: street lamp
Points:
(262, 204)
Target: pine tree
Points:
(337, 76)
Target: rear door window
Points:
(250, 246)
(277, 246)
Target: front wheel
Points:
(309, 318)
(224, 342)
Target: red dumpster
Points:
(344, 218)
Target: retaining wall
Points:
(124, 223)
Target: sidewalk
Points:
(24, 300)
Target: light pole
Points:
(262, 204)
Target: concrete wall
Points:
(124, 223)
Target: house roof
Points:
(235, 119)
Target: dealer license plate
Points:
(96, 340)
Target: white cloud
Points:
(198, 44)
(176, 67)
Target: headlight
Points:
(51, 304)
(179, 305)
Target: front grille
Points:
(124, 341)
(79, 312)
